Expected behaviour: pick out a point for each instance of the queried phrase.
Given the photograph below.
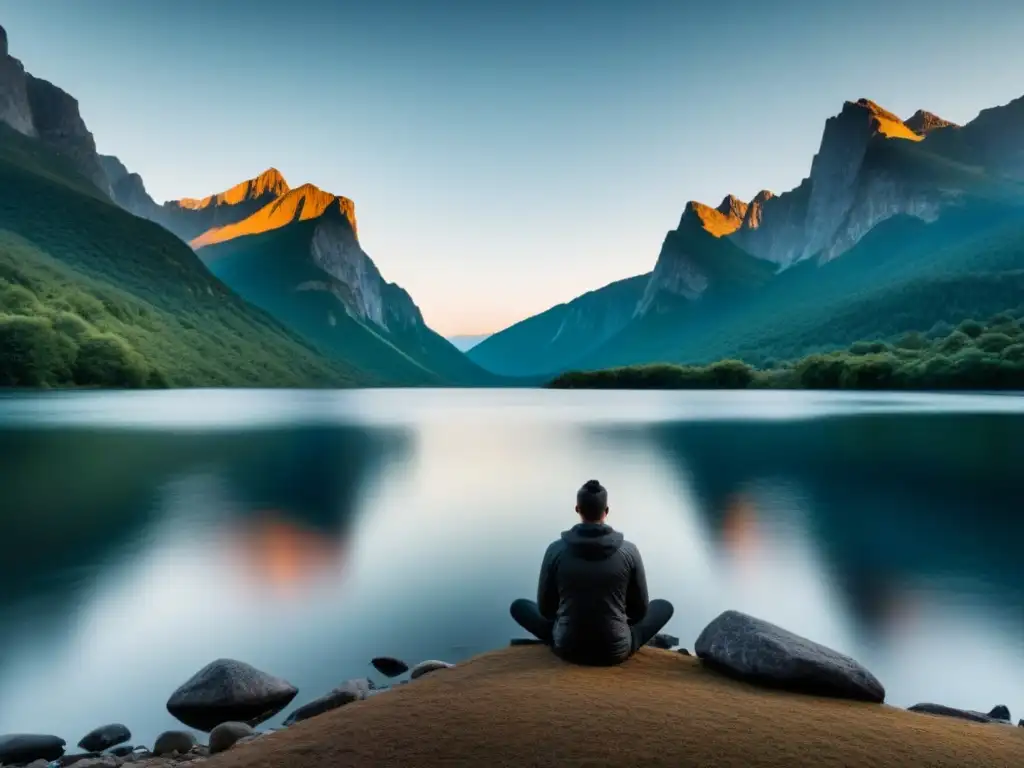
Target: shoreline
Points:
(745, 681)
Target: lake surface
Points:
(143, 535)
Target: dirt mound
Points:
(523, 707)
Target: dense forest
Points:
(973, 355)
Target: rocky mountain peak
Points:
(923, 123)
(732, 207)
(300, 204)
(3, 42)
(754, 212)
(719, 221)
(268, 185)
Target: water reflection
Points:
(337, 526)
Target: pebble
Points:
(431, 665)
(224, 736)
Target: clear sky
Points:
(505, 156)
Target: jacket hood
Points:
(592, 541)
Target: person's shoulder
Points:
(630, 549)
(555, 547)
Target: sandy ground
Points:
(523, 707)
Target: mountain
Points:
(91, 295)
(565, 333)
(465, 343)
(888, 208)
(299, 258)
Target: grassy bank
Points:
(973, 355)
(524, 707)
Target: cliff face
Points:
(127, 189)
(38, 108)
(358, 284)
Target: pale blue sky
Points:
(505, 157)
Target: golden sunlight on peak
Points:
(720, 221)
(300, 204)
(885, 122)
(269, 183)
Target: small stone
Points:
(942, 710)
(346, 693)
(69, 760)
(103, 761)
(1000, 712)
(663, 641)
(684, 652)
(389, 666)
(525, 641)
(121, 751)
(224, 736)
(105, 737)
(431, 665)
(1020, 723)
(20, 748)
(173, 741)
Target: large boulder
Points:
(1000, 712)
(20, 748)
(225, 690)
(346, 693)
(760, 652)
(105, 737)
(927, 708)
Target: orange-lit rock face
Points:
(299, 204)
(270, 182)
(720, 221)
(275, 553)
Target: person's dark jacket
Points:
(593, 586)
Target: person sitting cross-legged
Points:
(592, 604)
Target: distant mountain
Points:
(893, 204)
(466, 343)
(298, 257)
(568, 332)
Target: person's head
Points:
(592, 502)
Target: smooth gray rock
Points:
(757, 651)
(121, 751)
(17, 748)
(346, 693)
(224, 736)
(927, 708)
(173, 741)
(105, 737)
(228, 690)
(684, 652)
(425, 667)
(1000, 712)
(389, 666)
(663, 641)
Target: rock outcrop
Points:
(923, 123)
(999, 715)
(128, 190)
(228, 690)
(38, 108)
(760, 652)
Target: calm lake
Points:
(143, 535)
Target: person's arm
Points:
(637, 599)
(547, 584)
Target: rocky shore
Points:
(228, 699)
